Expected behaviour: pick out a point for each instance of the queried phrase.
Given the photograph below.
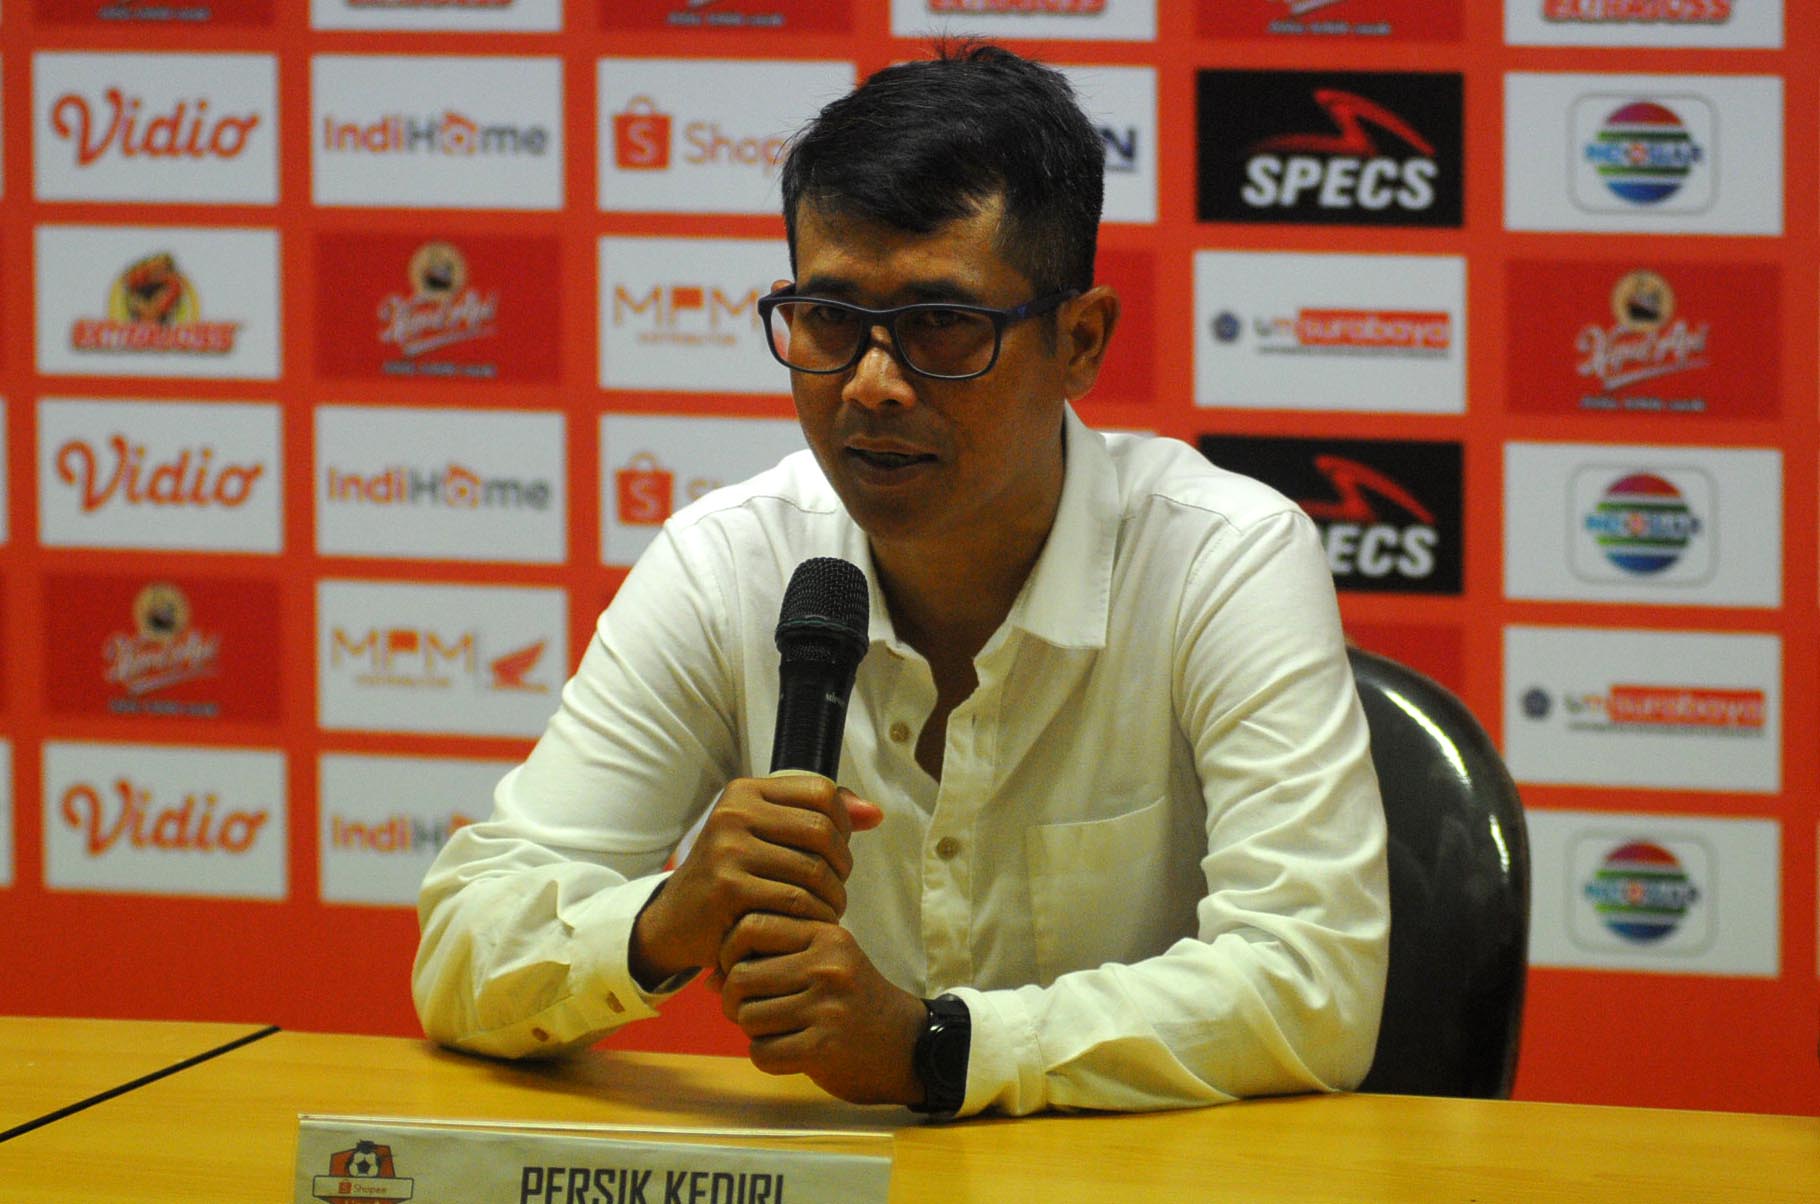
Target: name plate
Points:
(362, 1159)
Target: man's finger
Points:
(763, 934)
(862, 816)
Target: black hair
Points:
(921, 144)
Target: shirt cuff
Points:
(1005, 1062)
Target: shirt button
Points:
(900, 732)
(947, 847)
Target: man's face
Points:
(920, 461)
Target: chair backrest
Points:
(1459, 891)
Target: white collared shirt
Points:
(1153, 866)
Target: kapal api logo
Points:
(1641, 892)
(152, 307)
(360, 1174)
(163, 650)
(443, 308)
(1646, 339)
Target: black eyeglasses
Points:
(941, 339)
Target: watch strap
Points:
(942, 1050)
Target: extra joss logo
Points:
(1641, 892)
(1638, 12)
(153, 307)
(1340, 148)
(1390, 513)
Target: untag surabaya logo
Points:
(1643, 524)
(1638, 12)
(443, 308)
(1691, 710)
(1646, 339)
(1418, 334)
(153, 307)
(1641, 892)
(118, 123)
(445, 135)
(360, 1174)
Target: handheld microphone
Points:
(821, 639)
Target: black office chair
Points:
(1459, 891)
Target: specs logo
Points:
(1351, 148)
(118, 123)
(153, 307)
(451, 135)
(119, 470)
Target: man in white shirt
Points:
(1107, 834)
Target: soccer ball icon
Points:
(364, 1161)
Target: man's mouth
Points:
(888, 459)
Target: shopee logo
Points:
(182, 132)
(641, 136)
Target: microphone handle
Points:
(811, 715)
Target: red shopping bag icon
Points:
(641, 136)
(645, 490)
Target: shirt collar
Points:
(1067, 600)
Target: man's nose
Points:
(878, 378)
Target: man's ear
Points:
(1086, 331)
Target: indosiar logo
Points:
(1330, 148)
(1641, 892)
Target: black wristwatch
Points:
(941, 1055)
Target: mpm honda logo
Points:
(1330, 148)
(1389, 511)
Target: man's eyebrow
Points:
(841, 288)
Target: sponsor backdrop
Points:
(355, 349)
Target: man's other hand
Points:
(773, 845)
(813, 1003)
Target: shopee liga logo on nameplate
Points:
(171, 646)
(382, 820)
(159, 820)
(1087, 20)
(1666, 710)
(1386, 20)
(1659, 154)
(181, 14)
(439, 306)
(682, 314)
(652, 467)
(438, 16)
(155, 127)
(703, 135)
(676, 16)
(1121, 104)
(1698, 24)
(1644, 337)
(158, 301)
(1373, 333)
(173, 475)
(464, 660)
(1659, 893)
(436, 132)
(441, 484)
(1687, 526)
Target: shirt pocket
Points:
(1097, 890)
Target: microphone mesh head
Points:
(826, 599)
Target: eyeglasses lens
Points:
(817, 337)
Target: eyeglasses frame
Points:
(1000, 318)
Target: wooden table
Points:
(50, 1064)
(224, 1130)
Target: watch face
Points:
(941, 1055)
